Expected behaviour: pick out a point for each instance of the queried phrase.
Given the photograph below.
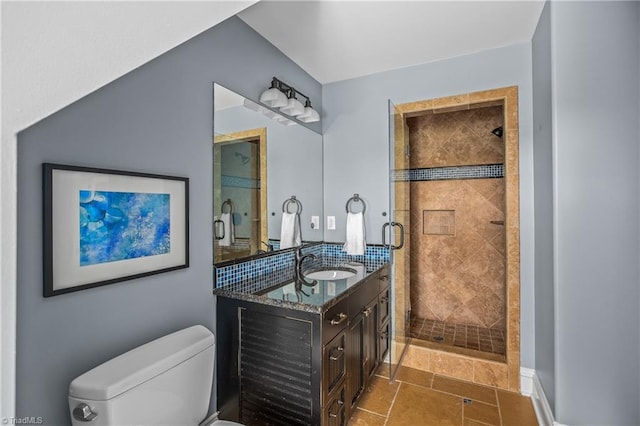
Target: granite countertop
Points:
(317, 299)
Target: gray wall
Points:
(543, 195)
(596, 106)
(356, 155)
(155, 119)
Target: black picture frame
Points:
(104, 226)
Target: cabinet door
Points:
(334, 362)
(383, 342)
(335, 412)
(355, 356)
(370, 329)
(276, 370)
(383, 307)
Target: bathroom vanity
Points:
(301, 355)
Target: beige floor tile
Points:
(516, 410)
(414, 376)
(465, 389)
(379, 396)
(483, 413)
(416, 405)
(365, 418)
(383, 370)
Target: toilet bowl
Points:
(164, 382)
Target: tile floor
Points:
(422, 398)
(482, 339)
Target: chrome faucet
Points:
(298, 266)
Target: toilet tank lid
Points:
(143, 363)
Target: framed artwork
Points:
(104, 226)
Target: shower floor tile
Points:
(490, 340)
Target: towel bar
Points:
(292, 200)
(356, 198)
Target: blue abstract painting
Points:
(123, 225)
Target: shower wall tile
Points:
(451, 365)
(491, 373)
(460, 278)
(457, 138)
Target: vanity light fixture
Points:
(294, 107)
(273, 96)
(309, 115)
(283, 96)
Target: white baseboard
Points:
(530, 386)
(526, 381)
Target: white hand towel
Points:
(229, 230)
(355, 241)
(290, 235)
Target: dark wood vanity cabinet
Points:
(283, 366)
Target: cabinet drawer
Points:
(334, 320)
(383, 307)
(366, 292)
(335, 410)
(334, 362)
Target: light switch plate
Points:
(331, 223)
(315, 222)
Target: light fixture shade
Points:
(310, 115)
(294, 107)
(274, 98)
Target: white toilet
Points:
(164, 382)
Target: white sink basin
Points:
(330, 274)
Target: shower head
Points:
(497, 131)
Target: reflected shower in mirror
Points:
(261, 159)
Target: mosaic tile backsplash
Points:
(255, 275)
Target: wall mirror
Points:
(261, 159)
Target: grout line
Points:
(469, 383)
(499, 408)
(392, 403)
(478, 421)
(369, 411)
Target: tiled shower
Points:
(457, 230)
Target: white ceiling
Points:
(54, 53)
(337, 40)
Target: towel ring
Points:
(229, 203)
(292, 200)
(356, 198)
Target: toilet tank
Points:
(164, 382)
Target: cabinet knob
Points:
(339, 319)
(384, 277)
(384, 299)
(340, 350)
(340, 404)
(367, 312)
